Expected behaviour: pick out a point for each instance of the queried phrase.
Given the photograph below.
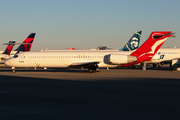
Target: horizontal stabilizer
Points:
(10, 43)
(157, 36)
(15, 43)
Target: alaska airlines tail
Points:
(9, 47)
(133, 42)
(27, 43)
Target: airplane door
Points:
(21, 58)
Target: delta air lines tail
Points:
(27, 43)
(25, 46)
(5, 55)
(9, 47)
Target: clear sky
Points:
(86, 24)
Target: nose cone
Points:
(8, 63)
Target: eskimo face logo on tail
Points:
(134, 43)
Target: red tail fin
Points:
(27, 47)
(9, 47)
(149, 48)
(152, 44)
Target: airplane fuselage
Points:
(63, 59)
(165, 55)
(162, 55)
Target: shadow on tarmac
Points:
(114, 99)
(76, 70)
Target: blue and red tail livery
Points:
(26, 47)
(9, 47)
(149, 48)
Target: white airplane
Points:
(91, 59)
(24, 46)
(6, 54)
(165, 55)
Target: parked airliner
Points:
(91, 59)
(25, 46)
(165, 55)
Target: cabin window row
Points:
(168, 53)
(65, 56)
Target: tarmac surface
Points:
(74, 94)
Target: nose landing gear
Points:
(13, 68)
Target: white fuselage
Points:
(62, 59)
(67, 58)
(165, 55)
(162, 55)
(4, 57)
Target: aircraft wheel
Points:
(90, 70)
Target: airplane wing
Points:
(84, 63)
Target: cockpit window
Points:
(15, 56)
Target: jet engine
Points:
(121, 59)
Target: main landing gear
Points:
(157, 65)
(92, 68)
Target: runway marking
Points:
(4, 92)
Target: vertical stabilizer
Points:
(152, 44)
(9, 47)
(149, 48)
(27, 43)
(133, 42)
